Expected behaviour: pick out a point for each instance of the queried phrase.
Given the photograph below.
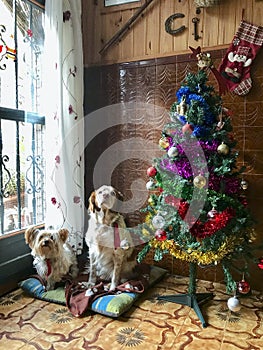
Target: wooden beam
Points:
(127, 26)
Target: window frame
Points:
(15, 255)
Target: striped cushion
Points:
(109, 305)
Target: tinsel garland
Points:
(231, 184)
(218, 222)
(181, 167)
(196, 255)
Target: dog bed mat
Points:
(112, 305)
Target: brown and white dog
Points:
(53, 256)
(110, 244)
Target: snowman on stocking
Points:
(235, 66)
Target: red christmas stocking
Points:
(235, 66)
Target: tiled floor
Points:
(151, 324)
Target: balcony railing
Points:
(22, 195)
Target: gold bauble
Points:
(164, 143)
(223, 149)
(199, 181)
(151, 201)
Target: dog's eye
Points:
(113, 193)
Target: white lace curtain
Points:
(63, 108)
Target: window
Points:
(22, 200)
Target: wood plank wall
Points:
(147, 38)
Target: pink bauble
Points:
(187, 129)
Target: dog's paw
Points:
(88, 285)
(50, 286)
(113, 286)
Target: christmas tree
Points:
(197, 209)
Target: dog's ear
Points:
(119, 195)
(93, 206)
(63, 234)
(30, 235)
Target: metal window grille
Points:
(22, 165)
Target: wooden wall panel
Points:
(147, 38)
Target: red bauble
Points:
(160, 235)
(151, 172)
(243, 287)
(260, 263)
(187, 129)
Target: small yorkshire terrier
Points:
(53, 256)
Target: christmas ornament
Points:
(244, 184)
(160, 235)
(206, 3)
(221, 123)
(187, 129)
(181, 107)
(212, 213)
(223, 149)
(243, 200)
(151, 171)
(158, 221)
(164, 142)
(199, 181)
(243, 286)
(150, 185)
(205, 62)
(124, 244)
(235, 66)
(233, 304)
(173, 152)
(260, 263)
(252, 236)
(151, 201)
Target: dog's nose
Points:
(106, 195)
(45, 242)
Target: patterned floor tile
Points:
(69, 344)
(151, 323)
(242, 340)
(9, 343)
(193, 340)
(117, 334)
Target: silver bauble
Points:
(233, 304)
(244, 184)
(172, 152)
(158, 221)
(124, 244)
(211, 214)
(150, 185)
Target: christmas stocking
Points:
(235, 66)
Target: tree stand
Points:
(191, 299)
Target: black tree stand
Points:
(191, 299)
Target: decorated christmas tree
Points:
(197, 209)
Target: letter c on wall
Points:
(169, 21)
